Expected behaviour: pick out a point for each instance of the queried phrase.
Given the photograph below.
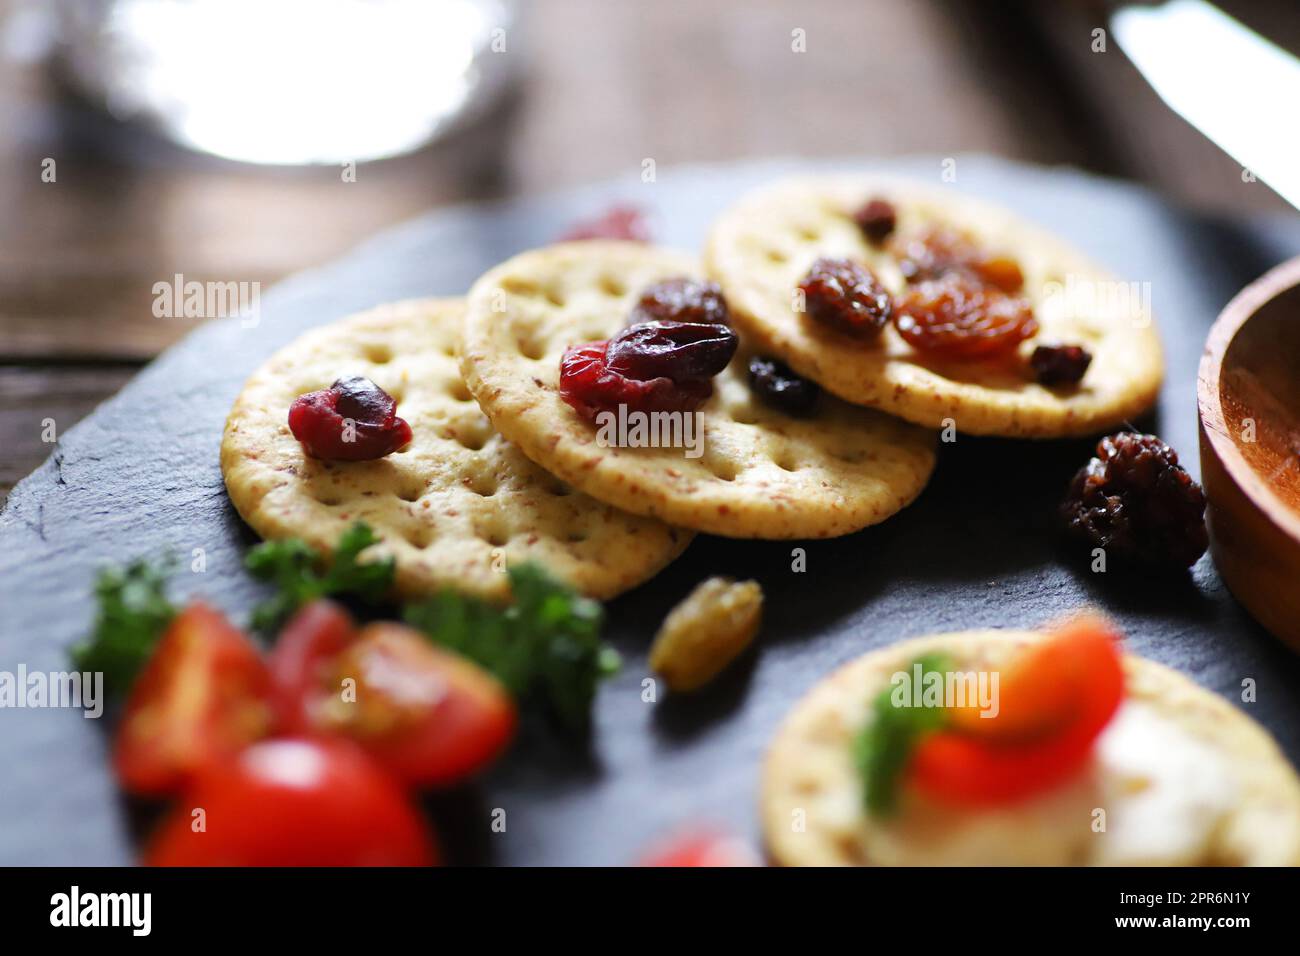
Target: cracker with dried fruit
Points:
(572, 348)
(369, 419)
(935, 307)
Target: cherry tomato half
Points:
(203, 696)
(430, 716)
(970, 765)
(295, 803)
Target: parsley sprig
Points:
(301, 574)
(884, 746)
(133, 613)
(545, 646)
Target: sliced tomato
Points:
(301, 660)
(295, 803)
(203, 696)
(430, 716)
(1058, 698)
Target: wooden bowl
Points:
(1248, 391)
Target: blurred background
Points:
(246, 139)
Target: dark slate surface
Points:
(140, 476)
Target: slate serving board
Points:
(140, 477)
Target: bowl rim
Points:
(1240, 310)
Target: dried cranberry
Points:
(938, 252)
(352, 420)
(877, 218)
(1138, 503)
(618, 222)
(362, 400)
(846, 296)
(590, 386)
(681, 351)
(682, 300)
(959, 317)
(774, 383)
(1060, 364)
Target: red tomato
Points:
(301, 659)
(430, 716)
(203, 696)
(703, 849)
(990, 767)
(295, 803)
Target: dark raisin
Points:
(775, 384)
(959, 317)
(682, 300)
(681, 351)
(1138, 503)
(590, 386)
(846, 296)
(940, 251)
(362, 400)
(352, 420)
(877, 218)
(1060, 364)
(618, 222)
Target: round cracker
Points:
(810, 767)
(762, 474)
(458, 504)
(760, 249)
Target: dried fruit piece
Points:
(682, 300)
(1060, 364)
(681, 351)
(958, 316)
(706, 632)
(1138, 503)
(877, 218)
(352, 420)
(846, 296)
(773, 382)
(620, 221)
(591, 387)
(939, 251)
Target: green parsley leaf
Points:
(132, 615)
(884, 746)
(300, 574)
(545, 646)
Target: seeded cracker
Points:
(809, 778)
(762, 473)
(760, 248)
(457, 505)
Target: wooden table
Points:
(606, 86)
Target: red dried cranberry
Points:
(1138, 503)
(846, 296)
(591, 387)
(352, 420)
(959, 317)
(682, 300)
(681, 351)
(1060, 364)
(620, 221)
(774, 383)
(938, 252)
(877, 218)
